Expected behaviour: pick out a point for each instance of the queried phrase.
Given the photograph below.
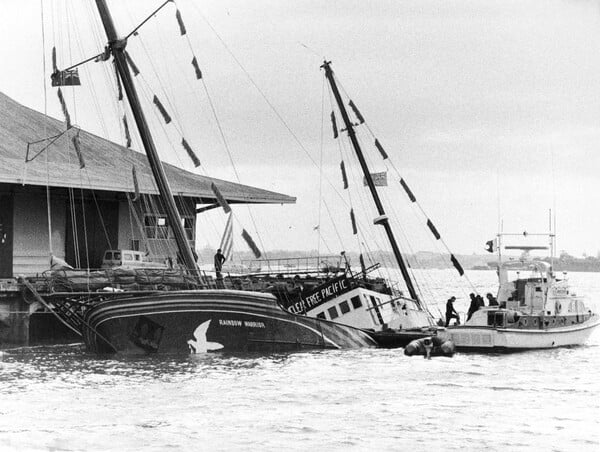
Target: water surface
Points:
(60, 398)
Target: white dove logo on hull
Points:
(201, 345)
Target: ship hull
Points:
(209, 321)
(482, 338)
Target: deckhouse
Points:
(75, 205)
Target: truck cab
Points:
(128, 259)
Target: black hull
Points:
(397, 339)
(210, 320)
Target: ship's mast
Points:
(117, 48)
(382, 219)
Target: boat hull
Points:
(483, 338)
(209, 321)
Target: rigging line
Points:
(69, 147)
(416, 202)
(340, 145)
(277, 114)
(362, 236)
(337, 233)
(87, 60)
(74, 228)
(178, 124)
(263, 95)
(91, 86)
(85, 231)
(383, 196)
(221, 131)
(48, 207)
(148, 18)
(321, 169)
(144, 94)
(226, 144)
(51, 139)
(145, 89)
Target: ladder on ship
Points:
(66, 311)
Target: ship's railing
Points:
(296, 265)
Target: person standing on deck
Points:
(480, 302)
(451, 312)
(474, 306)
(219, 259)
(491, 300)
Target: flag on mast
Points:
(227, 239)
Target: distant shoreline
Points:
(421, 260)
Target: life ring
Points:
(534, 322)
(563, 321)
(524, 321)
(558, 307)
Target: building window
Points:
(333, 312)
(356, 302)
(344, 307)
(156, 226)
(321, 315)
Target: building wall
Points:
(31, 251)
(159, 249)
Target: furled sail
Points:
(380, 149)
(433, 229)
(220, 199)
(334, 125)
(251, 244)
(180, 22)
(63, 105)
(161, 109)
(190, 152)
(196, 68)
(132, 65)
(344, 177)
(356, 112)
(407, 190)
(75, 141)
(457, 265)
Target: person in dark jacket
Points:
(451, 312)
(474, 306)
(219, 259)
(491, 300)
(480, 302)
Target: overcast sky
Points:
(489, 109)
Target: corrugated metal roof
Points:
(108, 165)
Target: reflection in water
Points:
(61, 398)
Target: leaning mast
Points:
(382, 219)
(117, 48)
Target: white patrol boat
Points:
(535, 311)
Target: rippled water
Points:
(60, 398)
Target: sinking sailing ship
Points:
(393, 318)
(174, 321)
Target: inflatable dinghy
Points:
(430, 346)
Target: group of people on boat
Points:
(476, 303)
